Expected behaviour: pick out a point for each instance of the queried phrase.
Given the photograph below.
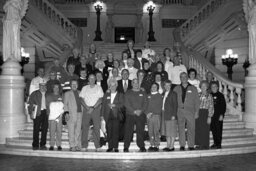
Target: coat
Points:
(70, 105)
(117, 110)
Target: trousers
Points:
(74, 130)
(40, 122)
(55, 129)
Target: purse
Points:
(65, 118)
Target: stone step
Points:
(132, 155)
(23, 142)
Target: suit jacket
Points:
(117, 110)
(191, 103)
(170, 106)
(120, 87)
(35, 99)
(129, 52)
(70, 105)
(104, 85)
(137, 63)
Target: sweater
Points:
(135, 100)
(219, 104)
(155, 102)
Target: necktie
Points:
(125, 86)
(43, 106)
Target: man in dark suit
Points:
(124, 84)
(112, 103)
(138, 60)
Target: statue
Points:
(249, 7)
(15, 10)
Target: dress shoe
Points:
(214, 146)
(166, 149)
(156, 149)
(59, 148)
(35, 148)
(143, 149)
(116, 150)
(43, 148)
(191, 148)
(218, 146)
(51, 148)
(151, 149)
(110, 150)
(126, 150)
(182, 148)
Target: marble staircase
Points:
(236, 140)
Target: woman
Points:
(218, 116)
(168, 58)
(93, 56)
(130, 51)
(100, 66)
(160, 70)
(112, 103)
(83, 65)
(158, 80)
(54, 105)
(142, 83)
(169, 116)
(70, 76)
(147, 52)
(153, 113)
(192, 79)
(110, 61)
(114, 75)
(124, 59)
(203, 119)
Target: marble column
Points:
(12, 115)
(249, 116)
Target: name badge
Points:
(189, 91)
(108, 97)
(149, 97)
(214, 97)
(140, 95)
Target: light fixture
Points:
(98, 5)
(229, 59)
(24, 58)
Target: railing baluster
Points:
(231, 95)
(239, 99)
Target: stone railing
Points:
(77, 1)
(53, 14)
(231, 90)
(201, 15)
(176, 2)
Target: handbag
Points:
(65, 118)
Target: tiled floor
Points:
(245, 162)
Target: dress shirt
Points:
(112, 97)
(132, 73)
(43, 101)
(147, 52)
(174, 73)
(165, 96)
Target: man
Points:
(53, 80)
(188, 108)
(82, 81)
(37, 105)
(70, 76)
(218, 116)
(91, 100)
(73, 105)
(34, 85)
(124, 84)
(175, 71)
(132, 71)
(112, 104)
(135, 104)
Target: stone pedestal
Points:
(12, 117)
(250, 99)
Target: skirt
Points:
(171, 128)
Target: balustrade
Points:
(202, 14)
(57, 17)
(177, 2)
(77, 1)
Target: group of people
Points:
(139, 89)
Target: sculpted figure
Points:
(250, 16)
(14, 11)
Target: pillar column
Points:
(12, 115)
(249, 116)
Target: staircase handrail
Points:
(202, 14)
(193, 59)
(52, 13)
